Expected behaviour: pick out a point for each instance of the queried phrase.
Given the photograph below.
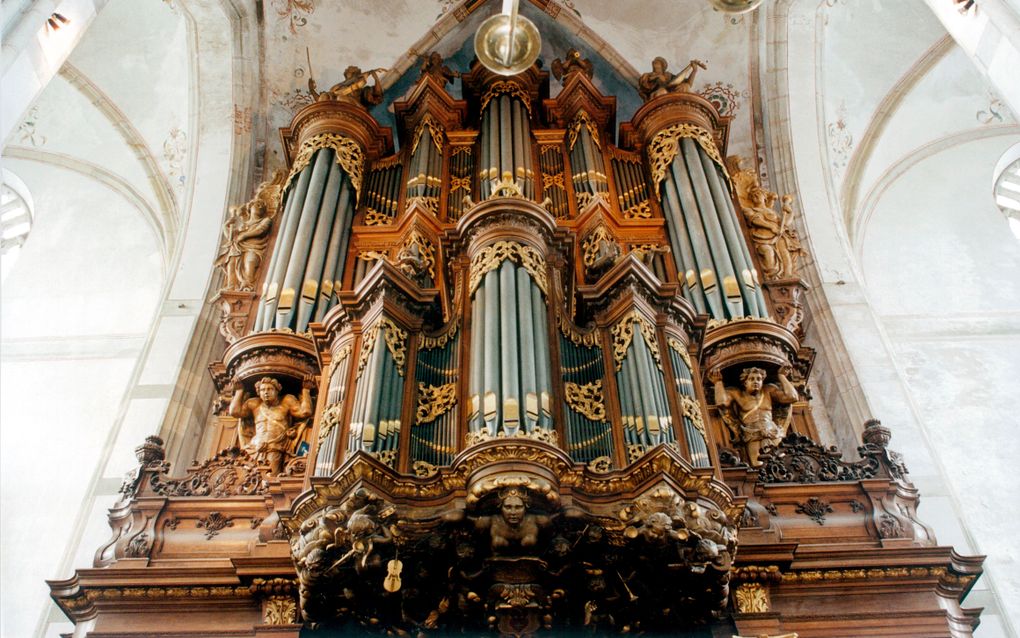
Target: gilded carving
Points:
(417, 256)
(431, 204)
(582, 119)
(431, 343)
(623, 333)
(354, 87)
(679, 348)
(665, 146)
(752, 598)
(348, 155)
(600, 252)
(330, 420)
(490, 258)
(434, 401)
(539, 434)
(588, 340)
(435, 129)
(691, 409)
(375, 218)
(586, 400)
(641, 210)
(279, 610)
(423, 469)
(393, 336)
(505, 87)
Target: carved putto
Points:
(432, 66)
(659, 81)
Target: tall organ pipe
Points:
(705, 237)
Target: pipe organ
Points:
(552, 393)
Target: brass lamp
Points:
(508, 43)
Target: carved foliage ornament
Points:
(623, 333)
(588, 340)
(431, 343)
(586, 399)
(280, 610)
(490, 258)
(590, 245)
(348, 154)
(692, 410)
(425, 248)
(680, 350)
(666, 145)
(396, 341)
(752, 598)
(641, 210)
(582, 119)
(434, 401)
(436, 130)
(375, 218)
(798, 459)
(509, 88)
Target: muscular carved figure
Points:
(354, 87)
(659, 81)
(514, 526)
(246, 235)
(273, 419)
(748, 411)
(775, 241)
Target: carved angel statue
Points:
(749, 411)
(659, 81)
(432, 65)
(573, 63)
(246, 236)
(775, 240)
(354, 87)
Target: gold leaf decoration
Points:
(586, 400)
(752, 598)
(436, 131)
(490, 258)
(583, 119)
(434, 401)
(666, 144)
(348, 154)
(691, 409)
(623, 333)
(509, 88)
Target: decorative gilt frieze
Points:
(395, 339)
(623, 333)
(348, 154)
(588, 340)
(366, 349)
(490, 258)
(280, 610)
(540, 434)
(508, 88)
(586, 400)
(436, 131)
(431, 343)
(434, 401)
(582, 119)
(666, 144)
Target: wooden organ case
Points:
(515, 379)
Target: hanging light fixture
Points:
(735, 6)
(508, 43)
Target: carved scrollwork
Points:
(436, 130)
(512, 89)
(138, 547)
(798, 459)
(539, 434)
(330, 419)
(600, 465)
(623, 333)
(375, 218)
(423, 469)
(586, 339)
(490, 258)
(691, 409)
(213, 524)
(582, 119)
(393, 336)
(230, 473)
(586, 400)
(431, 343)
(434, 401)
(815, 509)
(665, 146)
(280, 610)
(348, 154)
(641, 210)
(680, 350)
